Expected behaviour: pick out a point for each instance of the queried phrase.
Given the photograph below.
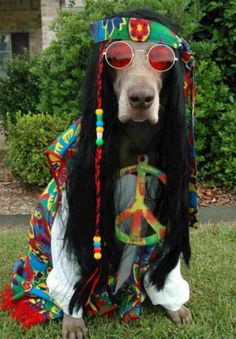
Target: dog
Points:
(138, 90)
(139, 95)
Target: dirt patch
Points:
(15, 197)
(215, 197)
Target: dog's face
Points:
(137, 87)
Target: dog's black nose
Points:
(141, 97)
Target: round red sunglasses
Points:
(119, 54)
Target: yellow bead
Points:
(97, 238)
(99, 129)
(99, 111)
(97, 256)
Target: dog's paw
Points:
(73, 328)
(181, 316)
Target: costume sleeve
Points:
(65, 272)
(174, 293)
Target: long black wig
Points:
(172, 158)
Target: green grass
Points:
(212, 279)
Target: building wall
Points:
(22, 16)
(32, 16)
(49, 11)
(76, 3)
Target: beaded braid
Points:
(94, 278)
(99, 142)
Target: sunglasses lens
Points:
(119, 55)
(161, 58)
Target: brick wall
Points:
(49, 10)
(77, 3)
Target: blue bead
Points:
(99, 123)
(97, 244)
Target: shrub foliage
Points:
(218, 25)
(19, 89)
(28, 138)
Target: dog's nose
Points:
(141, 97)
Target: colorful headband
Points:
(138, 30)
(134, 29)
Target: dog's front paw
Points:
(73, 328)
(181, 316)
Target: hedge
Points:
(19, 89)
(28, 138)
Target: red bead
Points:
(186, 56)
(97, 249)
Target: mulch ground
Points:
(18, 198)
(215, 197)
(15, 197)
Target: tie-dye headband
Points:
(135, 29)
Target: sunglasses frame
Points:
(141, 50)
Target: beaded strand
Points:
(97, 241)
(99, 127)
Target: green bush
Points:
(215, 120)
(28, 138)
(19, 89)
(223, 146)
(218, 26)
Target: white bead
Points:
(99, 135)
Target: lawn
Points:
(212, 279)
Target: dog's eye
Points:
(119, 55)
(161, 57)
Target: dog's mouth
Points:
(139, 120)
(139, 115)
